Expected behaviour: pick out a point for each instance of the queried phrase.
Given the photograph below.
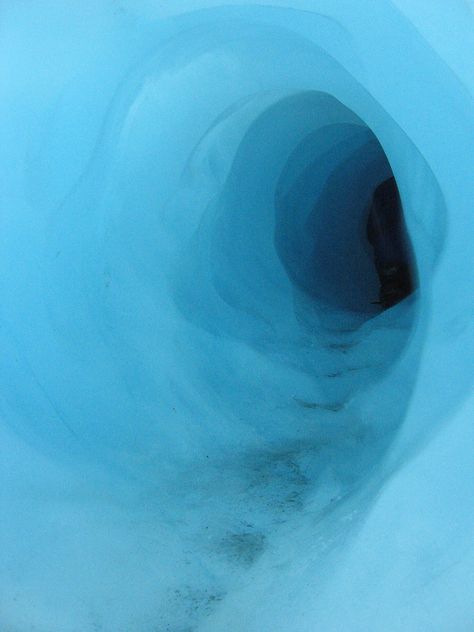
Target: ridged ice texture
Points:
(206, 424)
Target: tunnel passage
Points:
(349, 248)
(278, 284)
(288, 226)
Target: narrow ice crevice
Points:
(206, 422)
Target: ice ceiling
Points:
(206, 423)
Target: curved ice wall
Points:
(206, 423)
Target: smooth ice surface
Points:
(206, 424)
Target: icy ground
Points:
(85, 554)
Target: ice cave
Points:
(237, 317)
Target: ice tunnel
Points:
(207, 421)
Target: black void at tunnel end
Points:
(386, 232)
(340, 229)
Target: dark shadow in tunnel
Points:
(340, 230)
(392, 252)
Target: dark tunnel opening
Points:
(392, 252)
(340, 230)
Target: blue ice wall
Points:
(205, 422)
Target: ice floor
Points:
(206, 425)
(87, 552)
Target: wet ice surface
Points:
(104, 556)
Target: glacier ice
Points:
(206, 424)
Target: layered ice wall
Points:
(206, 422)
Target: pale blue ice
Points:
(206, 425)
